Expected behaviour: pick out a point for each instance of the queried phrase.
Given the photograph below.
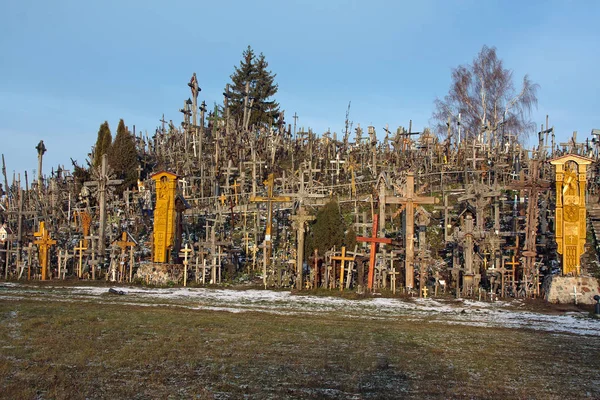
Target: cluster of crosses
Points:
(475, 213)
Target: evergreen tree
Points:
(103, 143)
(262, 87)
(265, 111)
(123, 156)
(327, 230)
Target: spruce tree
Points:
(103, 143)
(265, 111)
(262, 87)
(123, 156)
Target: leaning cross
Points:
(374, 240)
(343, 259)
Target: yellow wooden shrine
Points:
(164, 215)
(570, 220)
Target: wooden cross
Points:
(425, 291)
(269, 199)
(102, 183)
(123, 244)
(343, 259)
(300, 220)
(81, 248)
(235, 187)
(44, 242)
(186, 250)
(410, 200)
(374, 240)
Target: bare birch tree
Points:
(484, 95)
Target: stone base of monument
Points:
(159, 274)
(571, 290)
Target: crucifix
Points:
(41, 150)
(44, 242)
(374, 240)
(101, 183)
(269, 199)
(299, 222)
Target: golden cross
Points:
(235, 187)
(81, 248)
(342, 258)
(44, 242)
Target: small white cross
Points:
(575, 294)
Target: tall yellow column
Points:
(164, 215)
(570, 221)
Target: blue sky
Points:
(67, 66)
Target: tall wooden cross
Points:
(300, 220)
(81, 248)
(342, 260)
(44, 242)
(102, 182)
(186, 250)
(410, 200)
(374, 240)
(269, 199)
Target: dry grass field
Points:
(59, 343)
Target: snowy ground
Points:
(437, 312)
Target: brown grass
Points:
(58, 350)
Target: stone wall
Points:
(559, 289)
(159, 274)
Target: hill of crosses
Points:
(223, 197)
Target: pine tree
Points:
(103, 143)
(262, 87)
(123, 156)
